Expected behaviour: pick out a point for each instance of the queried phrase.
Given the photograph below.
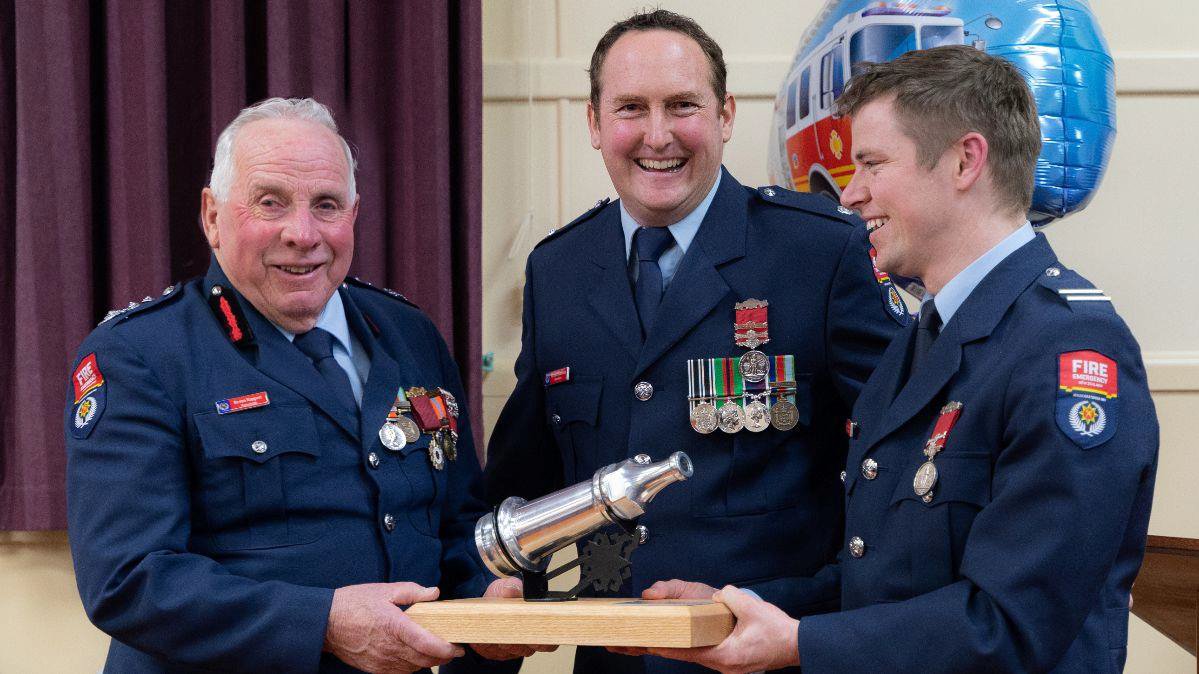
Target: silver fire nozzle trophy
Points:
(519, 537)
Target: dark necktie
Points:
(317, 344)
(650, 243)
(927, 329)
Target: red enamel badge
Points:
(87, 377)
(559, 376)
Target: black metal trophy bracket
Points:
(604, 564)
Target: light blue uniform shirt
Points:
(347, 351)
(683, 232)
(950, 299)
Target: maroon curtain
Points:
(110, 110)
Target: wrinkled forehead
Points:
(298, 153)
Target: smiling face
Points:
(285, 233)
(907, 206)
(659, 126)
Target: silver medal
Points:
(731, 417)
(703, 418)
(436, 456)
(784, 415)
(392, 437)
(754, 366)
(926, 477)
(757, 416)
(409, 428)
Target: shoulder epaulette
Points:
(147, 302)
(590, 213)
(359, 283)
(817, 204)
(1075, 291)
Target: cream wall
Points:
(540, 171)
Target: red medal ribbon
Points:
(426, 415)
(949, 416)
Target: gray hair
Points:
(221, 180)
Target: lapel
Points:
(612, 294)
(386, 374)
(976, 319)
(698, 286)
(278, 359)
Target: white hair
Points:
(221, 180)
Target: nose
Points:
(855, 193)
(301, 230)
(659, 134)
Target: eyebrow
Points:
(258, 189)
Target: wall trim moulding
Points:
(1168, 72)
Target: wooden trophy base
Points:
(679, 623)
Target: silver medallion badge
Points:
(392, 437)
(757, 416)
(731, 418)
(926, 477)
(754, 366)
(703, 418)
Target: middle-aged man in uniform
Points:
(1004, 452)
(253, 453)
(635, 315)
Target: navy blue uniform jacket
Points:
(1024, 558)
(193, 550)
(760, 506)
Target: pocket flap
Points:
(260, 434)
(964, 477)
(575, 400)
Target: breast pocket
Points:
(572, 411)
(934, 530)
(772, 468)
(260, 476)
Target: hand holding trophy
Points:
(519, 538)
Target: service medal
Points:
(784, 415)
(408, 427)
(436, 456)
(731, 418)
(757, 416)
(703, 418)
(392, 437)
(926, 477)
(754, 366)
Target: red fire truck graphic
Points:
(813, 148)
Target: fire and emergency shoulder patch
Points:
(1086, 407)
(90, 397)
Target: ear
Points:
(208, 211)
(726, 117)
(971, 155)
(593, 125)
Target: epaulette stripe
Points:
(1079, 291)
(1085, 298)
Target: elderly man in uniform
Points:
(266, 464)
(694, 314)
(1003, 455)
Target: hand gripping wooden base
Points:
(680, 623)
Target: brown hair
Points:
(943, 93)
(660, 19)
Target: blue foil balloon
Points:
(1057, 45)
